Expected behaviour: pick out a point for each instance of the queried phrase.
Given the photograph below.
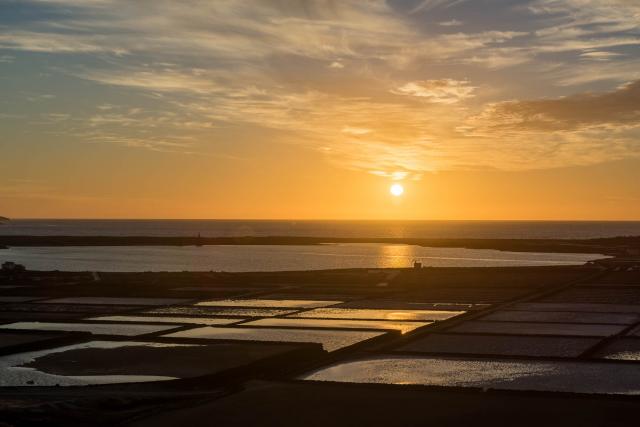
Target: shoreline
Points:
(614, 246)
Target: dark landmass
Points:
(608, 246)
(288, 404)
(241, 383)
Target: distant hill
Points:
(3, 219)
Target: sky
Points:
(312, 109)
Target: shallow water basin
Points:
(162, 319)
(575, 377)
(403, 327)
(531, 328)
(123, 329)
(220, 311)
(275, 303)
(115, 301)
(373, 314)
(331, 340)
(14, 373)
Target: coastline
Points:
(614, 246)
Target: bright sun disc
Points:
(396, 190)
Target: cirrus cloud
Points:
(442, 91)
(372, 85)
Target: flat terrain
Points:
(523, 346)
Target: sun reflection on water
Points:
(397, 256)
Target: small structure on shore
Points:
(12, 267)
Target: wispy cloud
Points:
(50, 42)
(443, 91)
(597, 55)
(450, 23)
(428, 5)
(620, 107)
(375, 89)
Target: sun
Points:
(396, 190)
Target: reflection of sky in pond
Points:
(286, 303)
(220, 311)
(624, 355)
(12, 374)
(94, 328)
(573, 377)
(403, 327)
(115, 301)
(621, 349)
(378, 314)
(331, 340)
(161, 319)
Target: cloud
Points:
(501, 58)
(617, 71)
(371, 86)
(599, 55)
(157, 79)
(587, 24)
(443, 91)
(450, 23)
(244, 31)
(49, 42)
(355, 130)
(616, 108)
(580, 129)
(428, 5)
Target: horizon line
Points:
(312, 219)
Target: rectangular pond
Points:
(114, 301)
(556, 376)
(562, 317)
(220, 311)
(264, 303)
(124, 329)
(578, 307)
(403, 327)
(374, 314)
(501, 345)
(164, 319)
(530, 328)
(331, 340)
(621, 349)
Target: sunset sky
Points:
(481, 109)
